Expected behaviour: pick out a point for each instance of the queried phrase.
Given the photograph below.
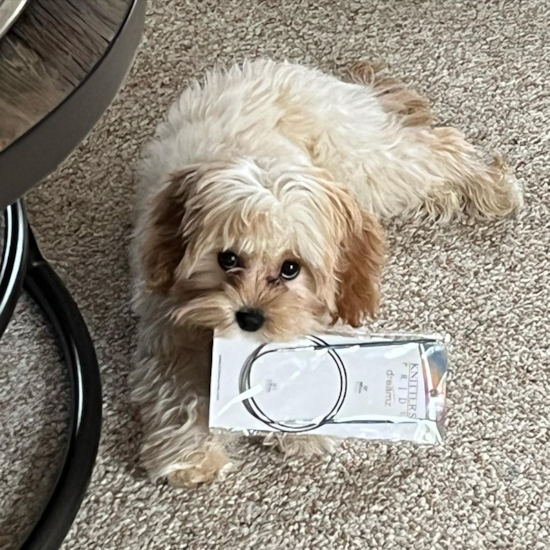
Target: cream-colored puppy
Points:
(258, 202)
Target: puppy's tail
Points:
(411, 108)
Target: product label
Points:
(333, 385)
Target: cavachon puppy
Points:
(258, 208)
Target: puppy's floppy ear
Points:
(164, 245)
(359, 271)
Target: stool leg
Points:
(23, 263)
(14, 261)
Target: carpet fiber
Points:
(485, 66)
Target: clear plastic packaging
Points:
(385, 387)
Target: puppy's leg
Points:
(305, 446)
(461, 181)
(443, 170)
(171, 386)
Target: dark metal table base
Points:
(23, 266)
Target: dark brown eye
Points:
(228, 260)
(290, 270)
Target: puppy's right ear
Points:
(164, 244)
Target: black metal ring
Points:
(54, 299)
(24, 265)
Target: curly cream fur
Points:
(276, 161)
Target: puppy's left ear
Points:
(359, 271)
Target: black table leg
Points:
(23, 262)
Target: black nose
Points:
(250, 320)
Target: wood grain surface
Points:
(48, 53)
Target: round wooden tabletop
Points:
(61, 64)
(47, 53)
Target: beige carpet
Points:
(486, 67)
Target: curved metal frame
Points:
(48, 291)
(24, 262)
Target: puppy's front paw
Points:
(203, 465)
(305, 446)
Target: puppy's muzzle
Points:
(250, 320)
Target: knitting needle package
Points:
(353, 385)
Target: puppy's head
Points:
(278, 252)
